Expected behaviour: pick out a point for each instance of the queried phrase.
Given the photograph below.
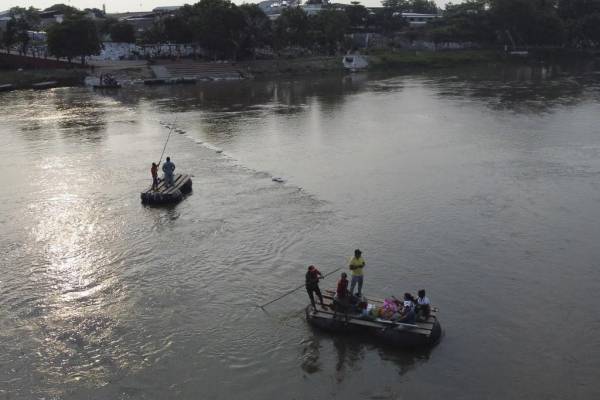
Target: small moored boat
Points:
(421, 333)
(182, 184)
(44, 85)
(7, 87)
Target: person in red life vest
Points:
(154, 172)
(342, 296)
(312, 285)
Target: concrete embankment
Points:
(26, 79)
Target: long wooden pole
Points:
(299, 287)
(168, 137)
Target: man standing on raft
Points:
(312, 285)
(357, 263)
(168, 169)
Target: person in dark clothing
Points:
(312, 285)
(154, 172)
(342, 296)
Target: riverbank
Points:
(386, 60)
(406, 59)
(295, 66)
(25, 79)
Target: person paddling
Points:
(154, 172)
(168, 169)
(312, 285)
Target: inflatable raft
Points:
(182, 185)
(421, 333)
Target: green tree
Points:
(155, 34)
(423, 6)
(388, 21)
(530, 22)
(96, 11)
(578, 17)
(10, 35)
(76, 36)
(122, 32)
(217, 26)
(463, 22)
(177, 29)
(396, 5)
(358, 15)
(21, 22)
(328, 28)
(31, 16)
(577, 9)
(257, 30)
(63, 9)
(291, 28)
(589, 27)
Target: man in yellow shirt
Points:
(357, 263)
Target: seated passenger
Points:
(423, 306)
(407, 314)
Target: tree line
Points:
(568, 23)
(225, 30)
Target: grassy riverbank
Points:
(304, 65)
(406, 59)
(25, 78)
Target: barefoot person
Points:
(154, 172)
(312, 285)
(357, 263)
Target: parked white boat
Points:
(355, 62)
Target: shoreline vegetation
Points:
(301, 37)
(402, 61)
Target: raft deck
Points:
(420, 333)
(182, 184)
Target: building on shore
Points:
(417, 20)
(4, 18)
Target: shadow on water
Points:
(522, 89)
(350, 352)
(285, 96)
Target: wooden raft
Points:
(182, 184)
(421, 327)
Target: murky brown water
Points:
(481, 186)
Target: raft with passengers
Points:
(409, 322)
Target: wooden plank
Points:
(427, 325)
(171, 189)
(180, 180)
(372, 324)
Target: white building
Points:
(418, 20)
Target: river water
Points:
(482, 186)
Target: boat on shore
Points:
(111, 86)
(355, 62)
(44, 85)
(7, 87)
(163, 194)
(422, 333)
